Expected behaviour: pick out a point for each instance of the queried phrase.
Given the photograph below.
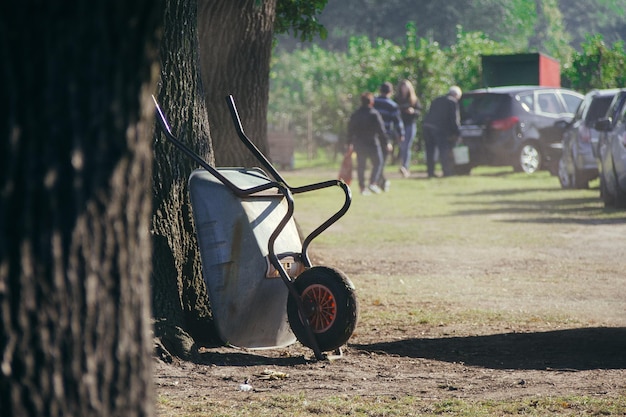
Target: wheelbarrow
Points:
(263, 289)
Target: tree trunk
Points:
(75, 172)
(181, 306)
(235, 49)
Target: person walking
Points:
(410, 110)
(394, 127)
(441, 128)
(366, 132)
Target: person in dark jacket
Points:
(394, 127)
(441, 128)
(366, 131)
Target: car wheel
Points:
(620, 199)
(330, 306)
(607, 198)
(529, 159)
(564, 177)
(464, 169)
(580, 180)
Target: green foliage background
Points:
(314, 88)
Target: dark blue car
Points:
(516, 126)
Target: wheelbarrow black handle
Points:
(249, 144)
(280, 184)
(330, 221)
(240, 192)
(295, 190)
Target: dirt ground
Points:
(495, 359)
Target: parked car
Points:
(578, 165)
(611, 154)
(516, 126)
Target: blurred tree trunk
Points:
(75, 172)
(181, 306)
(235, 49)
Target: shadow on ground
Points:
(577, 210)
(236, 357)
(575, 349)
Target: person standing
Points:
(394, 127)
(366, 131)
(441, 128)
(410, 109)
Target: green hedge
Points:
(313, 91)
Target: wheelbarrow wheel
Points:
(331, 307)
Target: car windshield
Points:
(571, 101)
(598, 108)
(478, 108)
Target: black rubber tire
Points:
(332, 321)
(620, 200)
(464, 169)
(564, 177)
(607, 198)
(580, 180)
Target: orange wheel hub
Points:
(320, 306)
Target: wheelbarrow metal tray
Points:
(248, 306)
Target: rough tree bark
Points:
(236, 61)
(75, 173)
(181, 307)
(235, 37)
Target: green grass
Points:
(484, 204)
(389, 406)
(492, 209)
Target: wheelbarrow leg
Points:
(293, 292)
